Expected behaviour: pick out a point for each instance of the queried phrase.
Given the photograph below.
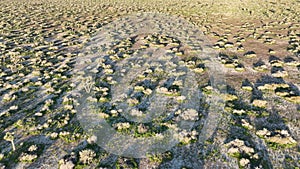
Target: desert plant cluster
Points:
(256, 43)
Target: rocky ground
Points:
(257, 47)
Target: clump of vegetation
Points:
(10, 137)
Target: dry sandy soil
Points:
(256, 42)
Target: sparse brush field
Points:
(256, 42)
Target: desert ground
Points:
(48, 49)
